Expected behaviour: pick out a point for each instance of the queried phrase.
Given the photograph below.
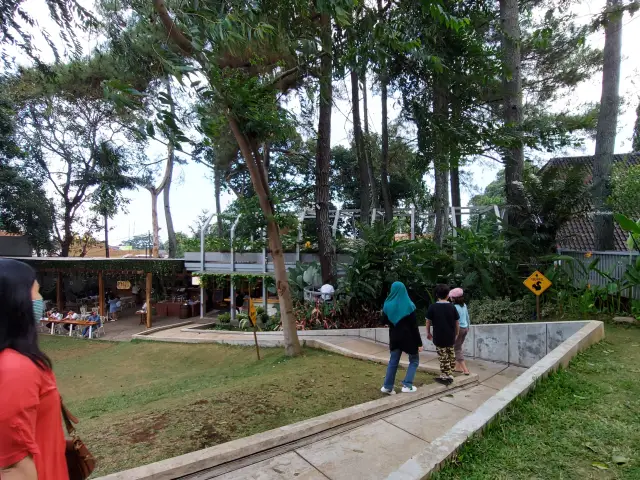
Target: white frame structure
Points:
(261, 265)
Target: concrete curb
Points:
(211, 457)
(159, 329)
(445, 447)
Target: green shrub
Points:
(502, 310)
(224, 318)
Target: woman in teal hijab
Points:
(399, 314)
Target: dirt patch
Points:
(207, 436)
(147, 429)
(201, 402)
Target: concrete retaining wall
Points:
(521, 344)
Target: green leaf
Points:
(600, 466)
(627, 224)
(151, 131)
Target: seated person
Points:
(53, 315)
(94, 317)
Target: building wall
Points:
(14, 246)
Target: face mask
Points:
(38, 309)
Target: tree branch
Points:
(172, 30)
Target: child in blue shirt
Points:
(457, 298)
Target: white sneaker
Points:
(411, 389)
(388, 392)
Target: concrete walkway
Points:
(372, 450)
(376, 449)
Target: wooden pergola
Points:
(101, 267)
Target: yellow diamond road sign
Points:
(537, 283)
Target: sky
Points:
(192, 190)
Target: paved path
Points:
(375, 450)
(370, 451)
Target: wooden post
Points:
(101, 294)
(148, 294)
(254, 320)
(59, 301)
(255, 339)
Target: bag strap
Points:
(69, 419)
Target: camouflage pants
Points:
(447, 358)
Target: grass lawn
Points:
(139, 402)
(573, 426)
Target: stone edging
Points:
(159, 329)
(445, 447)
(211, 457)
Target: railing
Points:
(251, 262)
(612, 263)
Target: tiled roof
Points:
(578, 234)
(632, 158)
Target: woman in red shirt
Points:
(32, 443)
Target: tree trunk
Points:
(607, 123)
(106, 236)
(384, 160)
(366, 144)
(365, 201)
(171, 233)
(166, 185)
(512, 110)
(155, 249)
(254, 165)
(323, 154)
(67, 240)
(455, 190)
(441, 169)
(635, 142)
(217, 184)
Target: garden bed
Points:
(140, 402)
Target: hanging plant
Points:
(219, 279)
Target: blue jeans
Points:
(392, 368)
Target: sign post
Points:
(253, 316)
(537, 283)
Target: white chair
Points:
(83, 312)
(42, 328)
(99, 330)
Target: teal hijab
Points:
(398, 304)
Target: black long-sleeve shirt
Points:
(404, 335)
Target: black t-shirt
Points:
(240, 300)
(443, 317)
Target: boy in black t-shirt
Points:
(445, 320)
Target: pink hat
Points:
(455, 293)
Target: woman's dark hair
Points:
(442, 291)
(17, 324)
(458, 300)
